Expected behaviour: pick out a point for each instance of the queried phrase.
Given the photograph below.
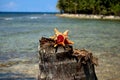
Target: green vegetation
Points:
(102, 7)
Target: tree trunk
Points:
(59, 63)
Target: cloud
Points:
(10, 5)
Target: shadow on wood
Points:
(64, 63)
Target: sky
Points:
(28, 6)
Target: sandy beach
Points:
(85, 16)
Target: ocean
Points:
(20, 34)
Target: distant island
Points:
(94, 7)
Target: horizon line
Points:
(28, 12)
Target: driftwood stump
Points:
(64, 63)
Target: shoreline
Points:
(91, 16)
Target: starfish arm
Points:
(68, 41)
(62, 43)
(55, 45)
(57, 32)
(66, 33)
(52, 37)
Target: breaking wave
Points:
(34, 17)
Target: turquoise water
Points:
(20, 34)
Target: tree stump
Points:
(63, 63)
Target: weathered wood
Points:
(64, 63)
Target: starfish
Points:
(61, 38)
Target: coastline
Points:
(86, 16)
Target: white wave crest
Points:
(8, 18)
(34, 17)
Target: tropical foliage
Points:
(104, 7)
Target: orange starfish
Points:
(61, 38)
